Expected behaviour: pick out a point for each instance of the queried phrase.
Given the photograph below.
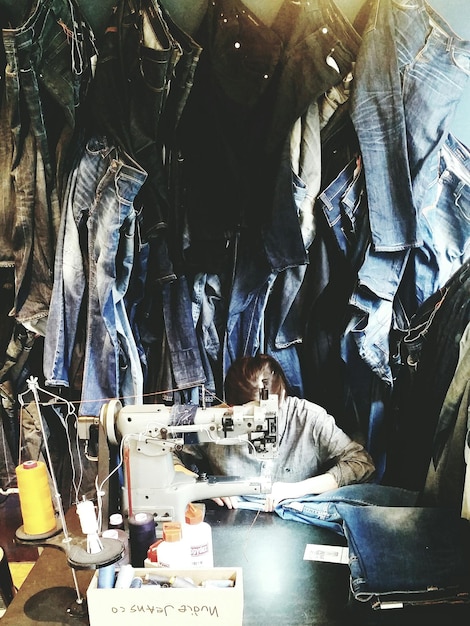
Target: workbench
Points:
(280, 587)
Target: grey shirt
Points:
(310, 443)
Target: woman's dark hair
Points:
(248, 374)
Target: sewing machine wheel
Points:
(108, 415)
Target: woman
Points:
(314, 454)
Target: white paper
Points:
(328, 554)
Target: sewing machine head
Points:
(148, 434)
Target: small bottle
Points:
(173, 552)
(198, 535)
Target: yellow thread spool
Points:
(35, 498)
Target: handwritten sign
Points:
(167, 609)
(201, 605)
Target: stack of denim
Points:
(407, 555)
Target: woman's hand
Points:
(282, 491)
(229, 501)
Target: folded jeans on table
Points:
(322, 510)
(407, 555)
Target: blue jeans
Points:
(244, 334)
(40, 61)
(283, 315)
(185, 359)
(283, 325)
(407, 49)
(265, 306)
(97, 277)
(208, 318)
(445, 220)
(133, 77)
(344, 207)
(324, 509)
(373, 316)
(409, 554)
(430, 352)
(183, 77)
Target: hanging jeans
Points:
(186, 365)
(93, 265)
(445, 221)
(409, 77)
(208, 320)
(46, 74)
(429, 352)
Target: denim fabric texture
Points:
(430, 354)
(407, 554)
(186, 365)
(244, 332)
(445, 479)
(208, 312)
(135, 293)
(344, 205)
(96, 276)
(452, 400)
(406, 48)
(47, 74)
(128, 94)
(283, 314)
(323, 510)
(445, 221)
(373, 311)
(283, 324)
(182, 79)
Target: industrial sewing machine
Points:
(149, 434)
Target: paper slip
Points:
(328, 554)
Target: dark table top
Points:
(280, 587)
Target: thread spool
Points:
(141, 536)
(125, 577)
(106, 577)
(35, 498)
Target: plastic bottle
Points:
(173, 551)
(198, 535)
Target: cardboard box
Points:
(149, 604)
